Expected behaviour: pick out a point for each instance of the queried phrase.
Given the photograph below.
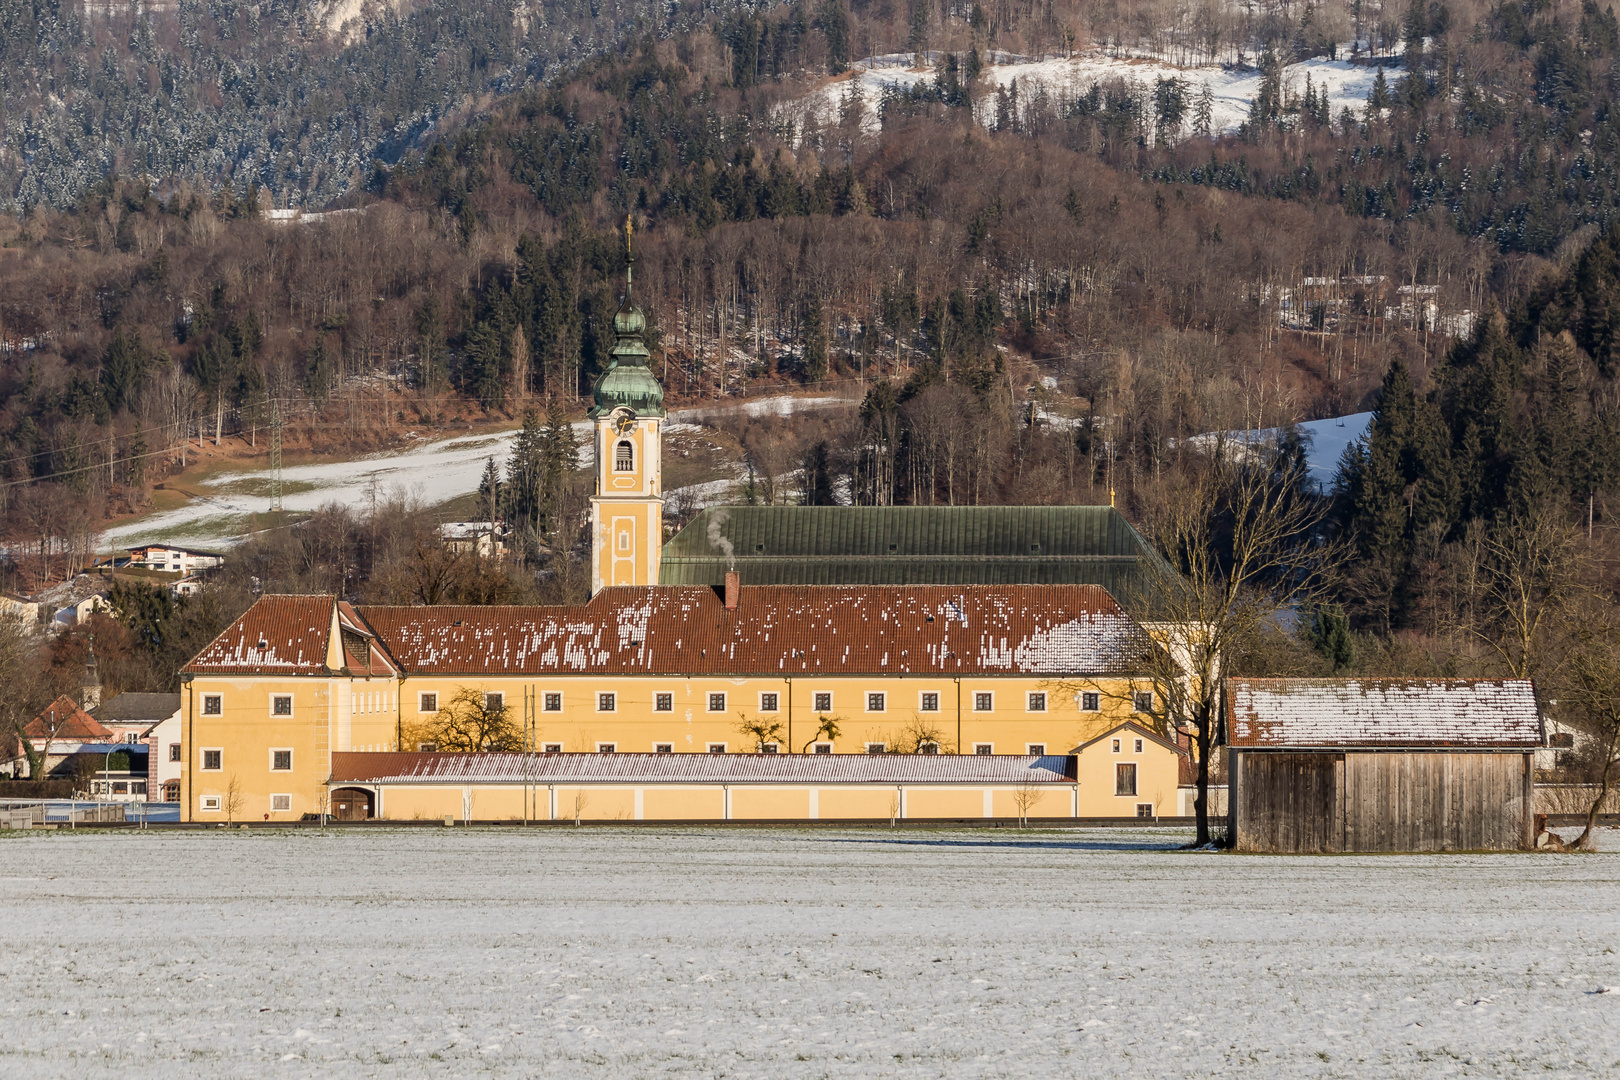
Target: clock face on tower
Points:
(624, 422)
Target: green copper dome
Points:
(628, 382)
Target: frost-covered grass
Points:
(776, 953)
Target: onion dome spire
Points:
(628, 382)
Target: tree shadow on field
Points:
(1029, 845)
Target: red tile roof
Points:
(370, 768)
(831, 629)
(65, 721)
(284, 635)
(1486, 714)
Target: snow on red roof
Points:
(828, 629)
(1324, 713)
(279, 634)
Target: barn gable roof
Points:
(1310, 714)
(832, 630)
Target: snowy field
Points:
(433, 471)
(777, 953)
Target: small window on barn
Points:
(1091, 702)
(663, 703)
(1125, 778)
(553, 703)
(213, 705)
(281, 705)
(1037, 702)
(929, 702)
(624, 457)
(1144, 701)
(823, 701)
(717, 703)
(427, 703)
(984, 702)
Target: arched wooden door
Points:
(351, 804)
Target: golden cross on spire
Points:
(629, 230)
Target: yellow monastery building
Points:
(681, 702)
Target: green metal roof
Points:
(910, 545)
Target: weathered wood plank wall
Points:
(1288, 802)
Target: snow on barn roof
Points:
(1382, 713)
(981, 629)
(284, 635)
(396, 768)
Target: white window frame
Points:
(1089, 700)
(202, 756)
(1136, 701)
(1035, 701)
(216, 699)
(659, 708)
(494, 699)
(989, 695)
(1035, 749)
(712, 695)
(427, 748)
(775, 704)
(922, 701)
(285, 808)
(612, 699)
(770, 748)
(1117, 745)
(723, 748)
(663, 748)
(821, 748)
(210, 804)
(176, 752)
(984, 748)
(882, 699)
(274, 750)
(1141, 806)
(546, 699)
(627, 462)
(552, 748)
(815, 701)
(291, 705)
(877, 748)
(928, 747)
(1138, 746)
(607, 748)
(422, 703)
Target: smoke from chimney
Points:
(720, 542)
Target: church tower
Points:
(627, 511)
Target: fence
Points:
(69, 812)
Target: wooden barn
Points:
(1326, 765)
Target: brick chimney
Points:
(733, 589)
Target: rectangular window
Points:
(1091, 702)
(120, 787)
(607, 702)
(280, 804)
(494, 702)
(281, 705)
(1038, 749)
(427, 703)
(929, 702)
(1138, 746)
(211, 760)
(213, 705)
(174, 752)
(209, 802)
(281, 760)
(663, 703)
(876, 702)
(876, 747)
(427, 748)
(1125, 778)
(767, 703)
(928, 748)
(663, 748)
(1144, 701)
(983, 702)
(1037, 702)
(1144, 809)
(552, 748)
(607, 748)
(717, 748)
(717, 703)
(137, 787)
(553, 703)
(823, 748)
(823, 701)
(770, 748)
(984, 748)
